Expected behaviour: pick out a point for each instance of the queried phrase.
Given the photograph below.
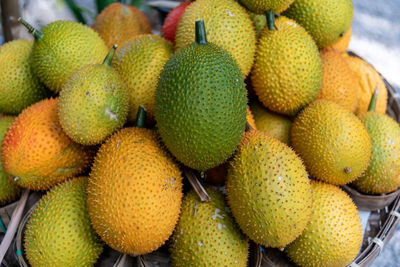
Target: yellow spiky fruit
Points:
(140, 63)
(36, 151)
(262, 6)
(268, 190)
(275, 125)
(59, 232)
(134, 192)
(207, 235)
(368, 80)
(19, 87)
(228, 25)
(339, 84)
(332, 141)
(334, 234)
(287, 72)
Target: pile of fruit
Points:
(257, 96)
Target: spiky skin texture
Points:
(140, 63)
(118, 23)
(228, 25)
(59, 232)
(339, 83)
(259, 21)
(8, 190)
(250, 119)
(262, 6)
(93, 104)
(268, 190)
(334, 234)
(201, 106)
(134, 192)
(332, 141)
(65, 47)
(275, 125)
(325, 20)
(172, 20)
(342, 44)
(36, 151)
(19, 87)
(383, 173)
(287, 72)
(207, 235)
(368, 79)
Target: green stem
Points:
(200, 31)
(107, 61)
(36, 33)
(141, 117)
(374, 98)
(271, 20)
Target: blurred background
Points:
(375, 37)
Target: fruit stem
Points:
(36, 33)
(200, 31)
(110, 55)
(271, 20)
(141, 117)
(374, 98)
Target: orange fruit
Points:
(342, 44)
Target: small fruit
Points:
(342, 44)
(339, 83)
(61, 48)
(268, 190)
(334, 234)
(287, 72)
(201, 103)
(332, 141)
(8, 190)
(262, 6)
(325, 20)
(36, 151)
(93, 103)
(19, 87)
(171, 21)
(118, 23)
(228, 25)
(59, 232)
(273, 124)
(206, 234)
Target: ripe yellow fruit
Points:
(228, 25)
(287, 72)
(342, 44)
(140, 63)
(262, 6)
(134, 192)
(332, 141)
(250, 119)
(275, 125)
(334, 234)
(368, 79)
(118, 23)
(37, 152)
(339, 83)
(268, 190)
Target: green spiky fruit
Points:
(59, 232)
(140, 62)
(262, 6)
(334, 234)
(93, 103)
(332, 141)
(8, 190)
(206, 234)
(287, 72)
(61, 48)
(268, 190)
(383, 173)
(19, 87)
(325, 20)
(275, 125)
(201, 104)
